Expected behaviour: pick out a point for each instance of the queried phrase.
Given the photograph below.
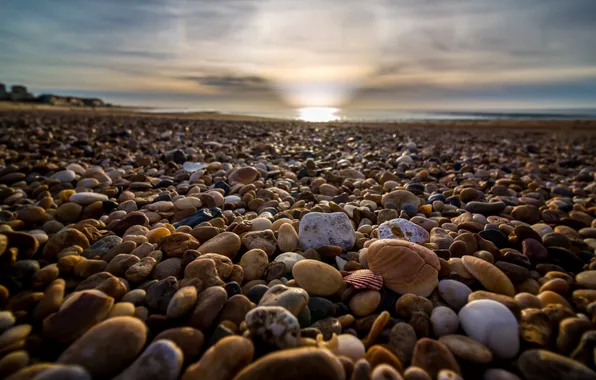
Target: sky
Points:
(238, 55)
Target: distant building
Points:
(19, 93)
(93, 102)
(3, 93)
(73, 101)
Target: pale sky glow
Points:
(268, 54)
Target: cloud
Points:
(251, 83)
(378, 51)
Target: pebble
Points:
(292, 299)
(86, 198)
(226, 243)
(454, 293)
(319, 229)
(107, 348)
(492, 324)
(317, 278)
(444, 321)
(546, 365)
(467, 348)
(182, 302)
(289, 259)
(273, 325)
(185, 241)
(287, 239)
(432, 356)
(403, 229)
(162, 359)
(491, 277)
(223, 360)
(254, 263)
(365, 302)
(295, 364)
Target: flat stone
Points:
(162, 359)
(319, 229)
(292, 299)
(107, 348)
(403, 229)
(317, 278)
(546, 365)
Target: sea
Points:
(388, 115)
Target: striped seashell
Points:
(364, 279)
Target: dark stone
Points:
(232, 288)
(515, 272)
(486, 208)
(304, 318)
(517, 259)
(203, 215)
(565, 259)
(320, 308)
(256, 293)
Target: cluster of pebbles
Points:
(148, 248)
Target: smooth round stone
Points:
(256, 293)
(64, 176)
(295, 364)
(187, 203)
(254, 263)
(14, 334)
(491, 277)
(68, 212)
(287, 238)
(293, 299)
(485, 208)
(107, 348)
(162, 359)
(289, 259)
(346, 345)
(317, 278)
(467, 348)
(499, 374)
(188, 339)
(226, 243)
(586, 279)
(365, 302)
(223, 360)
(433, 356)
(260, 224)
(86, 198)
(66, 325)
(7, 320)
(192, 167)
(444, 321)
(455, 293)
(244, 175)
(64, 372)
(400, 197)
(182, 302)
(319, 229)
(406, 267)
(403, 229)
(273, 325)
(157, 233)
(546, 365)
(492, 324)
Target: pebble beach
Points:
(147, 247)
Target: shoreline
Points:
(587, 125)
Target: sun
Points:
(318, 114)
